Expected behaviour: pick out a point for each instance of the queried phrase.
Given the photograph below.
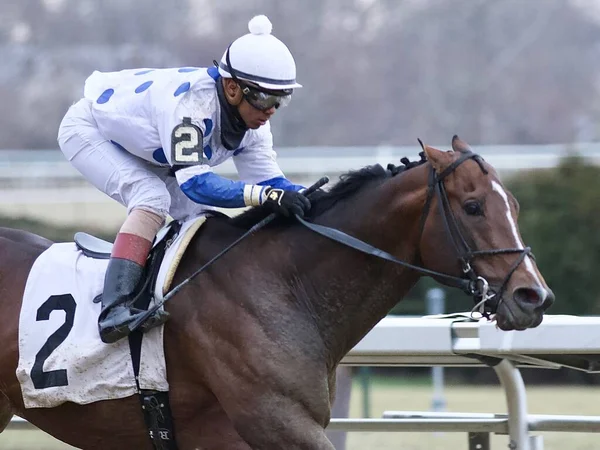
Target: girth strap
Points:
(155, 405)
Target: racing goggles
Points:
(263, 100)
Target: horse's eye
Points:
(473, 208)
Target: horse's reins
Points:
(472, 284)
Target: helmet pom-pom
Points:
(260, 25)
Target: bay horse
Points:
(253, 342)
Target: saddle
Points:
(97, 248)
(94, 247)
(155, 405)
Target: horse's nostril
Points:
(532, 296)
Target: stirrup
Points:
(159, 317)
(115, 325)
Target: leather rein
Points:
(470, 282)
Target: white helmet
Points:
(261, 58)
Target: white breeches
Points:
(132, 181)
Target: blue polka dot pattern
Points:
(182, 89)
(142, 87)
(187, 69)
(208, 151)
(238, 151)
(119, 146)
(105, 96)
(159, 156)
(208, 127)
(144, 72)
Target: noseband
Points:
(472, 284)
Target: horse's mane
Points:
(348, 184)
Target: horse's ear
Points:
(458, 145)
(438, 159)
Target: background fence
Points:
(41, 184)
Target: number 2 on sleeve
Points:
(186, 142)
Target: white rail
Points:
(458, 341)
(28, 165)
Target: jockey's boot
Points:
(122, 278)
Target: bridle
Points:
(470, 282)
(479, 287)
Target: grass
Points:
(395, 394)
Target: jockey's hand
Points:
(287, 202)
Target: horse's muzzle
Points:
(525, 309)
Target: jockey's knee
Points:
(77, 117)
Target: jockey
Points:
(149, 139)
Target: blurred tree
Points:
(374, 72)
(560, 220)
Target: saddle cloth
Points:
(61, 356)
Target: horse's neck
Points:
(349, 292)
(342, 291)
